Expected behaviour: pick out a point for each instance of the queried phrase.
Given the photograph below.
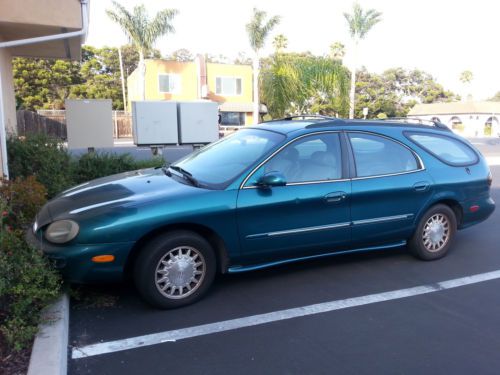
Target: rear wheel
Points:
(175, 269)
(434, 234)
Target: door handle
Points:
(335, 197)
(421, 186)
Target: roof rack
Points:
(409, 120)
(304, 117)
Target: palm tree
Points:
(360, 23)
(258, 30)
(337, 51)
(280, 43)
(142, 31)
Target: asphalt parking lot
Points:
(381, 312)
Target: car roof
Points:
(289, 124)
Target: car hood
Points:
(101, 195)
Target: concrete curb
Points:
(49, 355)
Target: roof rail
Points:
(417, 120)
(304, 117)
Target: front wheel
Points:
(175, 269)
(434, 234)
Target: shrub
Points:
(47, 160)
(95, 165)
(28, 283)
(43, 157)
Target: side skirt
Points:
(237, 269)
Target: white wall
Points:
(473, 123)
(7, 100)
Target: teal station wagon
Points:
(282, 191)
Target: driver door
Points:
(307, 216)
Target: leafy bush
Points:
(52, 165)
(28, 283)
(43, 157)
(95, 165)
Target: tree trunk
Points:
(256, 89)
(353, 80)
(142, 72)
(122, 79)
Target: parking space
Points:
(444, 330)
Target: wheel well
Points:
(455, 206)
(213, 238)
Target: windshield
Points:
(220, 163)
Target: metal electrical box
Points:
(198, 122)
(89, 123)
(155, 123)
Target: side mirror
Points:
(271, 179)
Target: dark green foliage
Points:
(394, 92)
(43, 157)
(95, 165)
(28, 283)
(45, 84)
(51, 164)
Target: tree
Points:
(496, 97)
(43, 84)
(280, 43)
(466, 78)
(302, 83)
(337, 51)
(142, 31)
(258, 30)
(394, 92)
(182, 55)
(360, 23)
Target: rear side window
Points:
(448, 150)
(376, 156)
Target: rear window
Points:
(448, 150)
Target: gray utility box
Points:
(155, 123)
(172, 123)
(198, 122)
(89, 123)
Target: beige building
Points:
(467, 118)
(35, 28)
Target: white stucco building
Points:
(467, 118)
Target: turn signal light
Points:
(103, 258)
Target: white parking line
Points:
(254, 320)
(493, 160)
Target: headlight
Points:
(62, 231)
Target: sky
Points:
(442, 37)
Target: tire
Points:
(175, 269)
(434, 234)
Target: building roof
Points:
(455, 108)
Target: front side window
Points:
(169, 83)
(448, 150)
(376, 156)
(232, 118)
(230, 86)
(220, 163)
(309, 159)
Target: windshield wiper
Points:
(188, 176)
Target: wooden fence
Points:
(53, 123)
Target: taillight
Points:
(490, 178)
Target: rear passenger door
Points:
(389, 186)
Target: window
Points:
(230, 86)
(219, 163)
(169, 83)
(232, 118)
(375, 156)
(448, 150)
(309, 159)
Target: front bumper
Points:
(74, 261)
